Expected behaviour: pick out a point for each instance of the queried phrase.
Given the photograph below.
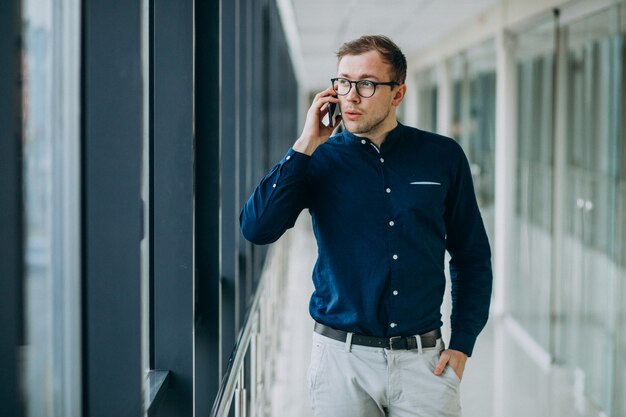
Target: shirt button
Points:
(363, 141)
(392, 325)
(388, 190)
(395, 256)
(395, 292)
(391, 223)
(382, 160)
(288, 157)
(274, 185)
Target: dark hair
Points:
(390, 52)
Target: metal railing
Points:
(249, 383)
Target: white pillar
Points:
(444, 98)
(506, 150)
(410, 101)
(505, 160)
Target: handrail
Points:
(230, 380)
(258, 338)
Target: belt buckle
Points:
(397, 343)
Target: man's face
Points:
(374, 115)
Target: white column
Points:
(444, 98)
(410, 101)
(506, 149)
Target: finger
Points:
(326, 98)
(322, 104)
(331, 90)
(441, 365)
(323, 93)
(326, 93)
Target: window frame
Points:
(11, 207)
(111, 132)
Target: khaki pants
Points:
(361, 381)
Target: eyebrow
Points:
(362, 76)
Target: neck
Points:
(380, 132)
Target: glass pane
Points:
(620, 364)
(532, 267)
(427, 100)
(620, 251)
(51, 373)
(590, 268)
(619, 386)
(473, 120)
(482, 135)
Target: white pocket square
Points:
(425, 183)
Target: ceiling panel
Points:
(323, 25)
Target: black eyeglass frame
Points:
(356, 85)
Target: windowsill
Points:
(156, 386)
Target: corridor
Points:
(132, 134)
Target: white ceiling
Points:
(323, 25)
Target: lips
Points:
(351, 114)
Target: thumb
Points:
(441, 365)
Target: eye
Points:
(343, 82)
(366, 84)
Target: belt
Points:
(429, 339)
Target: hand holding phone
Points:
(317, 128)
(333, 112)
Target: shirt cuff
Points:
(294, 162)
(462, 341)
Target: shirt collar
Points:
(392, 136)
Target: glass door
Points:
(533, 246)
(589, 270)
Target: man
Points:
(386, 202)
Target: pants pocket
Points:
(318, 351)
(452, 374)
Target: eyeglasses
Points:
(364, 88)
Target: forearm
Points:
(470, 263)
(277, 201)
(471, 298)
(281, 195)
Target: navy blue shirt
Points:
(383, 219)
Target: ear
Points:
(399, 95)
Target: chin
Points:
(354, 128)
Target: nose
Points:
(352, 95)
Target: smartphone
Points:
(333, 112)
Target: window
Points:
(51, 182)
(568, 280)
(473, 119)
(427, 100)
(532, 265)
(587, 285)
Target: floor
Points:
(508, 376)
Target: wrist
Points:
(459, 353)
(305, 146)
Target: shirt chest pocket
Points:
(427, 197)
